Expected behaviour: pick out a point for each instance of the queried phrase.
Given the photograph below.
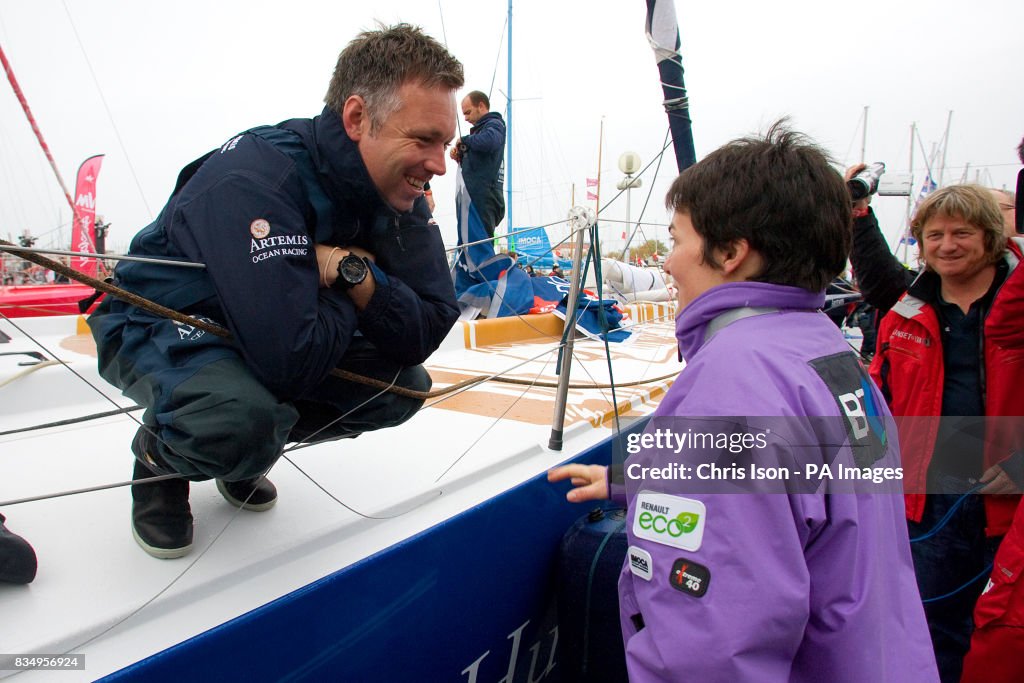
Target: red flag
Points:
(591, 182)
(591, 195)
(83, 235)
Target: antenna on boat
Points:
(581, 218)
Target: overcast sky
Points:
(169, 81)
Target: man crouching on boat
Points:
(320, 253)
(730, 581)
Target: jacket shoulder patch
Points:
(853, 391)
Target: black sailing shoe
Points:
(161, 516)
(256, 494)
(17, 559)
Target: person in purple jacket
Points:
(805, 576)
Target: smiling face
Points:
(408, 148)
(954, 248)
(685, 263)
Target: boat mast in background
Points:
(910, 201)
(663, 35)
(35, 128)
(508, 142)
(864, 137)
(83, 206)
(945, 145)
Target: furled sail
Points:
(663, 35)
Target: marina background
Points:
(155, 85)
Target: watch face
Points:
(352, 269)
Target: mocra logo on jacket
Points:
(640, 563)
(669, 520)
(853, 391)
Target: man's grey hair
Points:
(377, 63)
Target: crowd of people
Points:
(854, 586)
(555, 271)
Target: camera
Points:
(865, 183)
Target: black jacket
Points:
(881, 277)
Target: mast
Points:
(600, 149)
(945, 144)
(508, 129)
(663, 35)
(35, 128)
(864, 136)
(910, 201)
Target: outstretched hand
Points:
(591, 481)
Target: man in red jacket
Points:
(951, 347)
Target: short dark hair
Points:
(782, 195)
(377, 63)
(478, 98)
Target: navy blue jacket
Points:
(483, 169)
(247, 212)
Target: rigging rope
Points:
(110, 115)
(217, 330)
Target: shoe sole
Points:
(261, 507)
(161, 553)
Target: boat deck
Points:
(97, 593)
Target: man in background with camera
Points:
(946, 348)
(881, 278)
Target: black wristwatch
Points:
(351, 271)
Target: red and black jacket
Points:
(908, 367)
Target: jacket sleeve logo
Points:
(669, 520)
(689, 577)
(259, 228)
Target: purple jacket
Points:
(798, 585)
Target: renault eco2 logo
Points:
(670, 520)
(685, 523)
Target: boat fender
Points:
(590, 558)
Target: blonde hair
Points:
(974, 205)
